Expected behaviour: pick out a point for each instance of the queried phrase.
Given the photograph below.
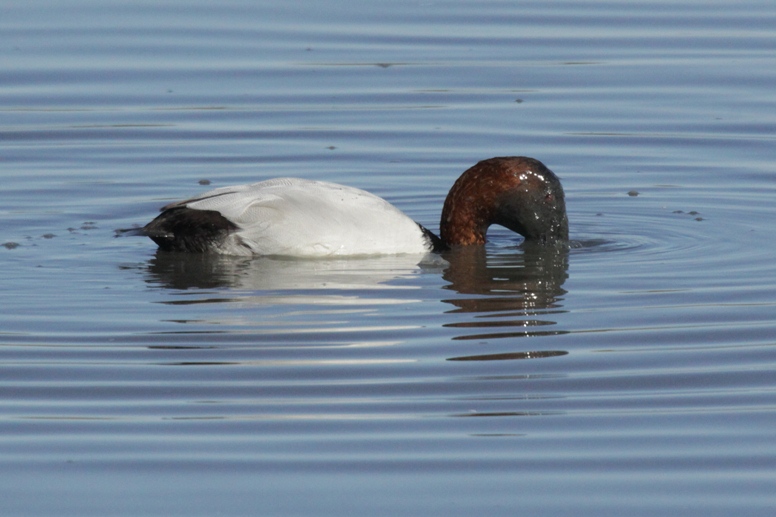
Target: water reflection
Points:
(182, 271)
(509, 294)
(518, 282)
(495, 294)
(510, 356)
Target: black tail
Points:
(185, 229)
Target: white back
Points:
(297, 217)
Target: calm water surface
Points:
(634, 374)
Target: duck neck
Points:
(465, 218)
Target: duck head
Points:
(519, 193)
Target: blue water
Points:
(633, 375)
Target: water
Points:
(632, 375)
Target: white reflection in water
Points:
(509, 293)
(187, 271)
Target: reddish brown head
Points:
(518, 193)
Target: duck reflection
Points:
(510, 295)
(506, 293)
(183, 271)
(522, 282)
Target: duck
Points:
(296, 217)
